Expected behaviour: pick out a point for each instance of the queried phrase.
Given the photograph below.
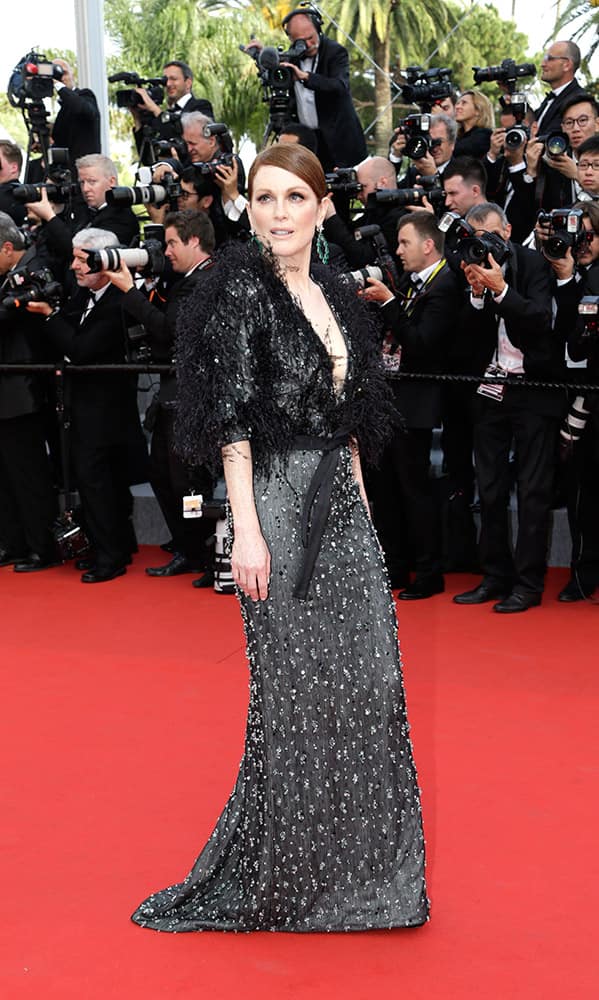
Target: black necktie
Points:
(90, 305)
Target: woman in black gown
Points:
(280, 379)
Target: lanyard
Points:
(411, 293)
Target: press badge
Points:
(192, 505)
(492, 390)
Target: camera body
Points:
(428, 188)
(556, 143)
(507, 73)
(426, 86)
(59, 186)
(344, 179)
(168, 190)
(588, 307)
(460, 238)
(32, 80)
(384, 268)
(23, 286)
(566, 232)
(130, 99)
(147, 259)
(416, 129)
(519, 133)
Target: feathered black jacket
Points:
(250, 365)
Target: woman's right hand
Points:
(250, 564)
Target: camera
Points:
(429, 188)
(416, 128)
(556, 143)
(343, 179)
(32, 80)
(519, 133)
(426, 86)
(385, 264)
(23, 286)
(147, 194)
(147, 259)
(460, 239)
(130, 98)
(588, 307)
(58, 186)
(566, 232)
(507, 72)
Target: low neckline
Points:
(338, 388)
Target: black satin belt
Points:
(318, 500)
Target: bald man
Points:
(374, 174)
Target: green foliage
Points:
(483, 38)
(12, 121)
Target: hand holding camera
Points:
(490, 276)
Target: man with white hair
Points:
(108, 448)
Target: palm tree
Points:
(410, 28)
(584, 16)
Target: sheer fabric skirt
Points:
(322, 831)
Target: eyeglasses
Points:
(186, 195)
(581, 121)
(548, 58)
(588, 165)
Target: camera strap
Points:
(412, 296)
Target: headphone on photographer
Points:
(308, 11)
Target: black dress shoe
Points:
(103, 575)
(483, 593)
(426, 586)
(178, 564)
(9, 558)
(573, 591)
(83, 564)
(205, 581)
(517, 602)
(35, 562)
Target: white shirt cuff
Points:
(499, 298)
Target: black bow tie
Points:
(550, 96)
(416, 282)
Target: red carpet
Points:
(123, 709)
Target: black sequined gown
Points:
(322, 831)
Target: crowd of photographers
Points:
(476, 245)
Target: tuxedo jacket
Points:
(552, 121)
(521, 209)
(161, 324)
(337, 118)
(526, 310)
(21, 342)
(77, 124)
(425, 336)
(476, 142)
(10, 205)
(104, 405)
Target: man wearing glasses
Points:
(557, 177)
(558, 66)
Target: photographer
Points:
(108, 449)
(474, 115)
(11, 163)
(420, 321)
(510, 328)
(213, 156)
(465, 184)
(321, 97)
(189, 238)
(552, 176)
(374, 174)
(77, 125)
(179, 83)
(27, 499)
(504, 163)
(443, 133)
(558, 68)
(97, 175)
(577, 276)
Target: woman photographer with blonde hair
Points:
(474, 115)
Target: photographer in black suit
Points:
(510, 327)
(27, 499)
(321, 96)
(558, 68)
(189, 238)
(108, 448)
(179, 82)
(11, 162)
(77, 125)
(420, 323)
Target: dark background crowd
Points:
(475, 242)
